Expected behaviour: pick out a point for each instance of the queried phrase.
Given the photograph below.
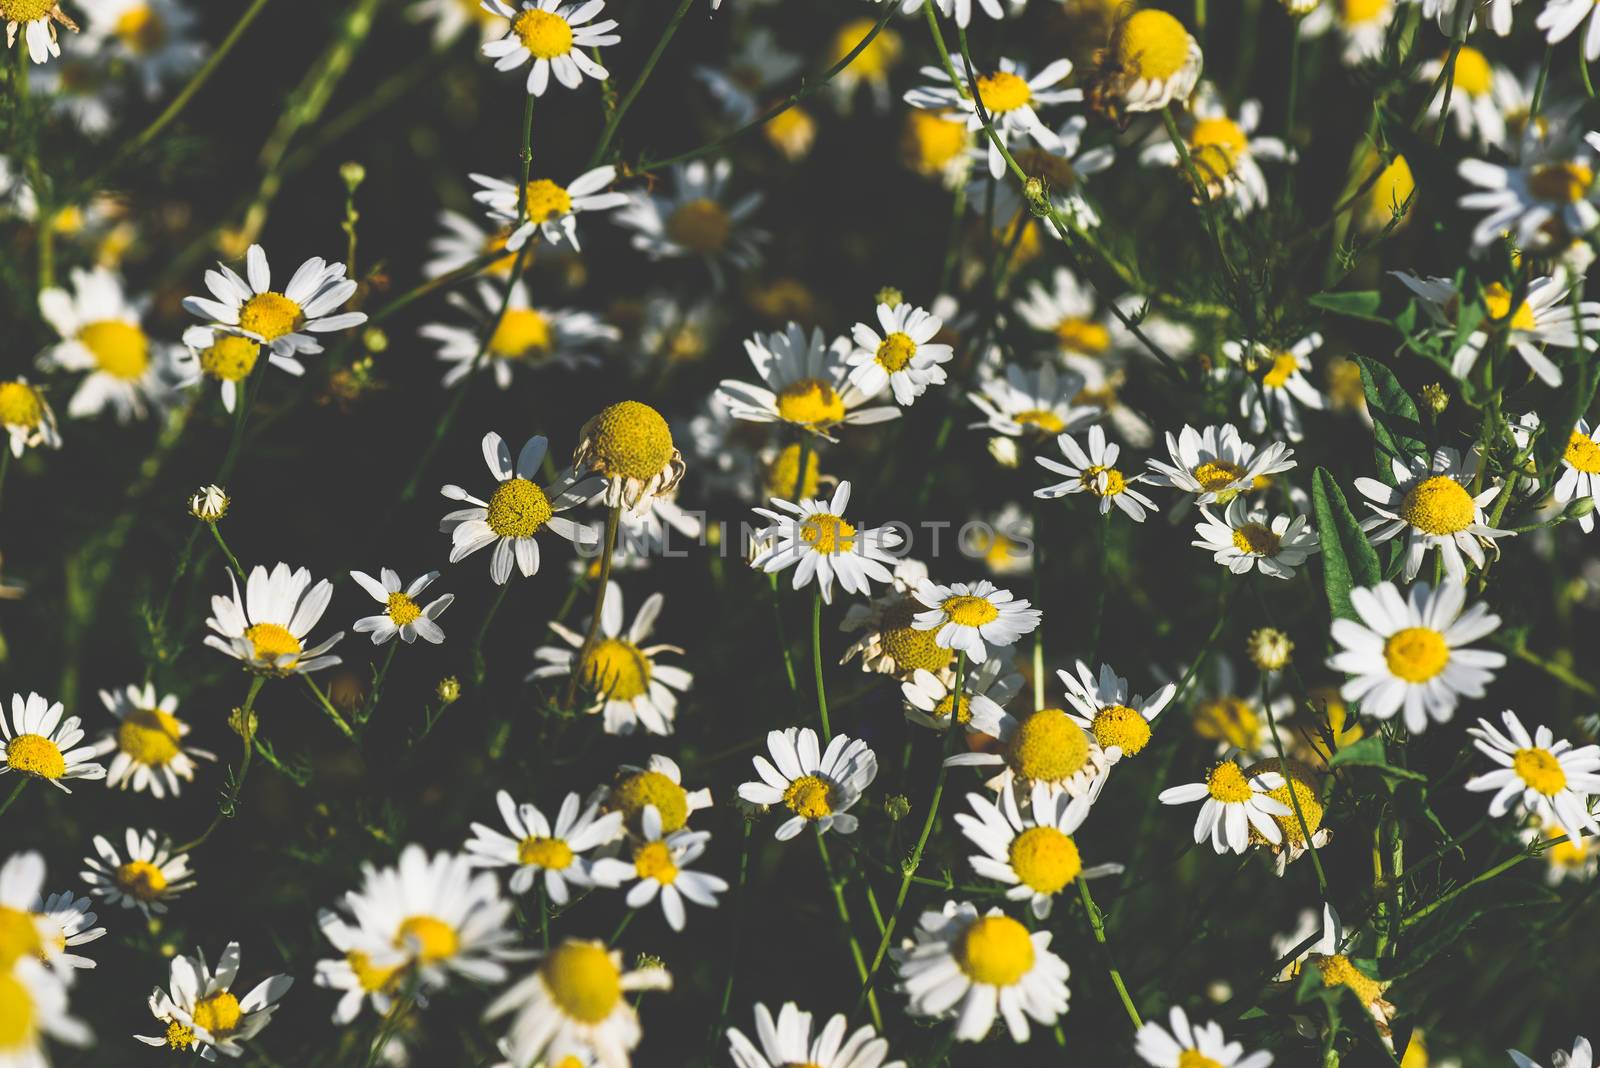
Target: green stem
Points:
(843, 910)
(783, 641)
(476, 658)
(1097, 923)
(638, 84)
(1288, 782)
(738, 927)
(1538, 87)
(370, 705)
(613, 518)
(616, 932)
(227, 808)
(233, 561)
(327, 706)
(816, 665)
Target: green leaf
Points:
(1356, 303)
(1369, 753)
(1394, 417)
(1348, 558)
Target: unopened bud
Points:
(375, 339)
(353, 174)
(209, 504)
(891, 296)
(897, 807)
(449, 689)
(243, 723)
(1579, 508)
(1038, 198)
(1436, 399)
(1269, 648)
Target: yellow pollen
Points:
(517, 509)
(700, 225)
(522, 334)
(19, 936)
(1227, 783)
(1360, 12)
(1113, 485)
(1121, 726)
(1540, 770)
(1043, 418)
(20, 405)
(1045, 859)
(269, 641)
(643, 788)
(784, 470)
(1228, 719)
(827, 534)
(873, 62)
(1256, 539)
(546, 199)
(1416, 654)
(270, 316)
(431, 939)
(402, 609)
(36, 755)
(1438, 505)
(1214, 475)
(895, 351)
(1581, 453)
(141, 30)
(17, 1027)
(1560, 183)
(544, 33)
(1003, 91)
(30, 10)
(654, 861)
(809, 797)
(230, 358)
(1284, 364)
(582, 980)
(931, 140)
(628, 440)
(544, 853)
(995, 951)
(1153, 44)
(149, 736)
(1303, 781)
(179, 1036)
(1193, 1058)
(618, 669)
(219, 1014)
(119, 348)
(1497, 302)
(372, 977)
(1048, 747)
(810, 402)
(141, 880)
(963, 710)
(967, 611)
(1083, 335)
(909, 647)
(1337, 970)
(1474, 76)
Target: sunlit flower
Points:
(554, 36)
(984, 689)
(1551, 780)
(660, 865)
(1431, 505)
(815, 538)
(1547, 197)
(816, 786)
(1247, 538)
(266, 628)
(1150, 61)
(1215, 465)
(904, 357)
(659, 784)
(787, 1041)
(1047, 746)
(102, 334)
(1034, 853)
(1580, 474)
(1182, 1044)
(27, 416)
(1119, 720)
(629, 446)
(281, 320)
(546, 206)
(228, 359)
(1009, 97)
(148, 742)
(1234, 805)
(402, 614)
(974, 618)
(806, 382)
(39, 742)
(204, 1015)
(146, 876)
(536, 848)
(1095, 472)
(696, 220)
(890, 642)
(37, 20)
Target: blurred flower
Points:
(101, 333)
(148, 742)
(695, 221)
(1009, 98)
(27, 416)
(146, 876)
(787, 1041)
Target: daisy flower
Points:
(1046, 747)
(787, 1041)
(976, 966)
(547, 207)
(1065, 169)
(973, 618)
(516, 511)
(937, 144)
(1547, 197)
(890, 643)
(267, 627)
(154, 37)
(805, 383)
(872, 65)
(1580, 474)
(1582, 1055)
(984, 689)
(696, 219)
(1095, 472)
(1306, 786)
(1009, 96)
(148, 742)
(659, 783)
(554, 36)
(817, 786)
(1551, 779)
(816, 539)
(632, 687)
(464, 242)
(1182, 1044)
(1215, 464)
(1476, 107)
(37, 741)
(283, 321)
(65, 922)
(1577, 858)
(629, 446)
(1431, 505)
(1234, 804)
(1003, 540)
(524, 336)
(27, 416)
(1227, 713)
(1361, 25)
(402, 614)
(1249, 538)
(1034, 854)
(150, 876)
(37, 20)
(1118, 721)
(21, 881)
(535, 845)
(452, 18)
(227, 359)
(1150, 60)
(574, 1004)
(661, 865)
(1065, 310)
(1225, 151)
(1035, 404)
(1283, 388)
(905, 358)
(35, 1000)
(101, 334)
(1412, 653)
(203, 1014)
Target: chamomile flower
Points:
(102, 334)
(34, 1000)
(1247, 538)
(146, 875)
(1230, 714)
(1234, 805)
(1580, 474)
(1546, 198)
(984, 689)
(890, 643)
(228, 359)
(1225, 152)
(1430, 504)
(1034, 854)
(787, 1041)
(370, 967)
(65, 922)
(203, 1014)
(1033, 404)
(661, 865)
(658, 784)
(1181, 1044)
(464, 241)
(1009, 96)
(517, 510)
(632, 687)
(21, 932)
(1003, 540)
(817, 786)
(1360, 24)
(575, 1004)
(977, 966)
(1117, 719)
(805, 382)
(1412, 653)
(1046, 747)
(1064, 168)
(266, 629)
(1476, 107)
(148, 742)
(904, 357)
(871, 67)
(281, 320)
(535, 847)
(1215, 464)
(628, 445)
(1095, 472)
(1276, 397)
(524, 336)
(38, 741)
(814, 537)
(38, 20)
(1065, 310)
(154, 37)
(402, 614)
(973, 618)
(1582, 1056)
(27, 417)
(452, 18)
(555, 37)
(1150, 60)
(547, 207)
(696, 219)
(1552, 780)
(1301, 785)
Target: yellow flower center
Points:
(430, 938)
(1121, 726)
(963, 710)
(1581, 453)
(1337, 970)
(1438, 505)
(1214, 475)
(218, 1014)
(1228, 719)
(791, 131)
(895, 351)
(141, 30)
(20, 405)
(1560, 183)
(17, 1029)
(120, 348)
(1360, 12)
(1083, 335)
(270, 641)
(1113, 485)
(643, 788)
(909, 647)
(873, 62)
(1043, 418)
(544, 33)
(36, 755)
(1394, 187)
(19, 936)
(1256, 539)
(784, 470)
(270, 316)
(372, 977)
(496, 242)
(654, 861)
(1048, 747)
(700, 225)
(1567, 855)
(995, 951)
(1301, 780)
(1193, 1058)
(1003, 91)
(1216, 146)
(149, 736)
(582, 980)
(628, 440)
(141, 880)
(546, 199)
(1416, 654)
(25, 10)
(1540, 770)
(1152, 43)
(931, 140)
(545, 853)
(1474, 76)
(1284, 364)
(809, 797)
(967, 611)
(179, 1036)
(618, 669)
(522, 334)
(517, 509)
(1227, 784)
(1045, 859)
(1497, 302)
(402, 609)
(827, 534)
(230, 358)
(810, 402)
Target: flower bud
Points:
(209, 504)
